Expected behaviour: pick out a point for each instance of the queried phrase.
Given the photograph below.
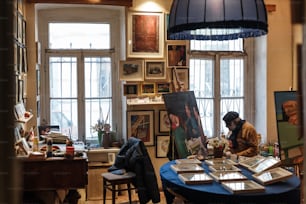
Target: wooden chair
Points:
(113, 181)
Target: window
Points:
(79, 72)
(218, 78)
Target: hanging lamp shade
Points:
(217, 19)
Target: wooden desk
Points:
(54, 173)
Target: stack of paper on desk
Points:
(58, 137)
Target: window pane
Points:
(64, 113)
(98, 77)
(206, 110)
(230, 105)
(98, 95)
(62, 73)
(201, 77)
(231, 71)
(79, 36)
(209, 45)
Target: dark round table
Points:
(284, 192)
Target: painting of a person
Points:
(290, 109)
(179, 135)
(191, 125)
(243, 140)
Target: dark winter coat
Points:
(133, 156)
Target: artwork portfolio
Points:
(186, 129)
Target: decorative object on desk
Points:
(272, 176)
(195, 178)
(245, 186)
(218, 145)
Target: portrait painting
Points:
(185, 125)
(288, 119)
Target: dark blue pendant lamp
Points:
(217, 19)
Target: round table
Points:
(284, 192)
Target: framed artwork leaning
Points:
(162, 144)
(140, 124)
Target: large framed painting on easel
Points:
(187, 136)
(288, 119)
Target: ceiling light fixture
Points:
(217, 19)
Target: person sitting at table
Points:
(243, 139)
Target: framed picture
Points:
(162, 144)
(272, 176)
(131, 70)
(164, 122)
(148, 89)
(177, 53)
(130, 89)
(145, 35)
(155, 70)
(162, 88)
(180, 78)
(140, 124)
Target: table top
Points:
(171, 177)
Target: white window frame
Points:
(249, 82)
(98, 14)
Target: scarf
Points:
(233, 137)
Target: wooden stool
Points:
(112, 181)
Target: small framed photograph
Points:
(162, 88)
(180, 78)
(177, 53)
(244, 186)
(131, 70)
(145, 34)
(164, 122)
(162, 145)
(130, 89)
(148, 89)
(155, 70)
(140, 124)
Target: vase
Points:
(218, 152)
(106, 140)
(100, 138)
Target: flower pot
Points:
(218, 152)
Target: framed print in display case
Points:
(195, 178)
(180, 76)
(272, 176)
(187, 168)
(131, 70)
(227, 176)
(140, 124)
(145, 35)
(148, 89)
(130, 89)
(162, 144)
(245, 186)
(155, 70)
(177, 53)
(164, 122)
(162, 88)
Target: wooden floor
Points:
(123, 199)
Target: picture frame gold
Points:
(131, 89)
(145, 34)
(162, 145)
(155, 70)
(163, 87)
(147, 88)
(140, 124)
(131, 70)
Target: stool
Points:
(112, 181)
